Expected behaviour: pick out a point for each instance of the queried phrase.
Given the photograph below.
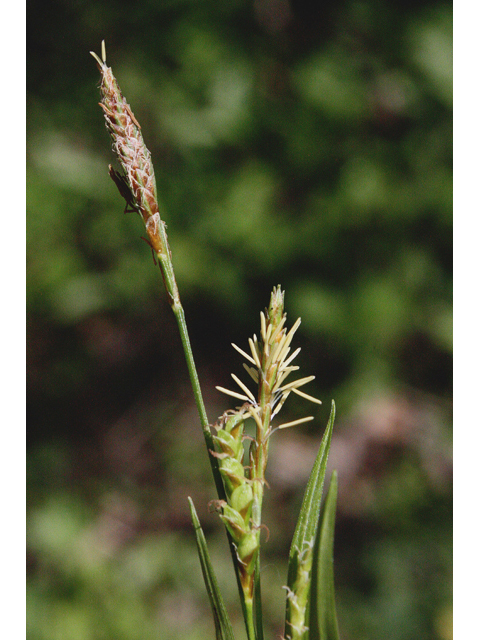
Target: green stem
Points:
(168, 275)
(192, 370)
(250, 620)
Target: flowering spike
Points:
(269, 365)
(132, 153)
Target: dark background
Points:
(306, 144)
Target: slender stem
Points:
(177, 308)
(192, 370)
(168, 275)
(258, 601)
(249, 620)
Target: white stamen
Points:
(285, 425)
(292, 357)
(279, 327)
(234, 394)
(291, 333)
(276, 350)
(254, 353)
(280, 404)
(244, 388)
(245, 355)
(306, 396)
(298, 383)
(253, 373)
(263, 326)
(284, 374)
(96, 58)
(269, 333)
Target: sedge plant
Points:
(238, 461)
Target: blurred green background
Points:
(307, 144)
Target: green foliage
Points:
(309, 585)
(310, 147)
(323, 623)
(223, 627)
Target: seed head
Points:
(131, 151)
(269, 365)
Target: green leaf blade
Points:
(307, 523)
(300, 557)
(223, 627)
(323, 623)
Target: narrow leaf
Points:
(300, 557)
(257, 602)
(223, 628)
(323, 618)
(308, 519)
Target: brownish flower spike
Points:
(131, 151)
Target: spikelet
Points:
(236, 512)
(137, 185)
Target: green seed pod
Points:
(229, 445)
(241, 500)
(247, 550)
(234, 425)
(234, 523)
(233, 474)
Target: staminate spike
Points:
(131, 152)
